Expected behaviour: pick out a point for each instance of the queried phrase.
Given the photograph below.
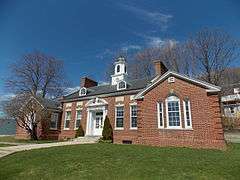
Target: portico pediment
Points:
(96, 102)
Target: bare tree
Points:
(38, 74)
(213, 51)
(172, 54)
(142, 63)
(27, 112)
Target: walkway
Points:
(4, 151)
(233, 137)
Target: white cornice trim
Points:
(157, 80)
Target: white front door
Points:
(98, 124)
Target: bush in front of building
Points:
(107, 133)
(231, 123)
(79, 132)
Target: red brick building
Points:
(168, 110)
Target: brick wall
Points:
(43, 130)
(119, 135)
(207, 128)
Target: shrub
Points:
(230, 123)
(107, 133)
(79, 132)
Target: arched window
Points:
(83, 91)
(125, 69)
(121, 85)
(118, 68)
(173, 112)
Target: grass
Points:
(6, 145)
(12, 139)
(110, 161)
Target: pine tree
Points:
(107, 132)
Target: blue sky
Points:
(85, 34)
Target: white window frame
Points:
(118, 128)
(65, 119)
(118, 88)
(185, 114)
(162, 114)
(132, 104)
(80, 93)
(180, 119)
(56, 120)
(77, 119)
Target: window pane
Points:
(119, 116)
(187, 114)
(122, 85)
(67, 122)
(134, 121)
(54, 120)
(133, 116)
(83, 91)
(79, 114)
(160, 116)
(78, 123)
(119, 122)
(53, 124)
(68, 115)
(173, 113)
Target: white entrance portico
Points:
(96, 113)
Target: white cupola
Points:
(120, 71)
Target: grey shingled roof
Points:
(137, 84)
(49, 103)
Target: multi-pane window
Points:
(160, 115)
(121, 85)
(119, 116)
(83, 91)
(54, 121)
(133, 109)
(173, 112)
(68, 118)
(187, 114)
(78, 118)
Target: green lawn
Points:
(12, 139)
(108, 161)
(6, 145)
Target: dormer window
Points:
(83, 91)
(121, 85)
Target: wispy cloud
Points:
(6, 97)
(156, 18)
(152, 41)
(131, 47)
(106, 53)
(119, 49)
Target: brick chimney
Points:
(87, 82)
(159, 67)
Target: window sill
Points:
(181, 129)
(133, 128)
(119, 129)
(53, 129)
(65, 129)
(75, 128)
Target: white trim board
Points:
(210, 87)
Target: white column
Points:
(88, 123)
